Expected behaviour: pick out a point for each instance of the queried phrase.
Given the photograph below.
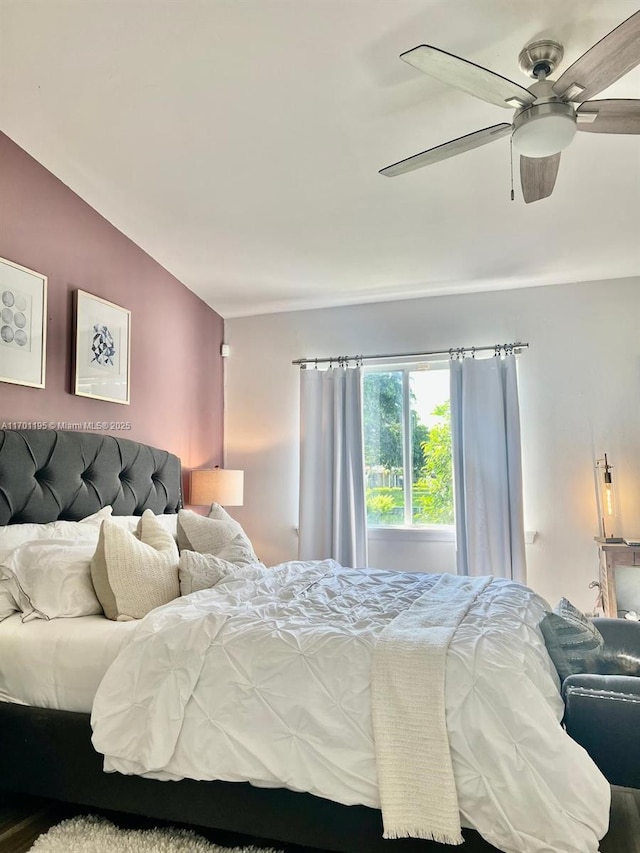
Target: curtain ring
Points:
(316, 363)
(473, 352)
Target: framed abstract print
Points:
(103, 336)
(23, 325)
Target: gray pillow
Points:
(217, 534)
(201, 571)
(573, 642)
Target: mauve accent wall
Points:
(176, 368)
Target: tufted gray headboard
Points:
(49, 474)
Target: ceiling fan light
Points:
(544, 130)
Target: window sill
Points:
(427, 534)
(415, 534)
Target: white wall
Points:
(579, 395)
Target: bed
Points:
(46, 732)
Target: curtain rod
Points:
(515, 348)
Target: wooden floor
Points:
(23, 819)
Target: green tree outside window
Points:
(431, 468)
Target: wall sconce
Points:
(607, 502)
(216, 485)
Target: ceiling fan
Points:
(545, 119)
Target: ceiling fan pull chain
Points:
(511, 156)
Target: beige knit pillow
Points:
(133, 573)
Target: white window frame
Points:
(425, 532)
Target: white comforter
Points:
(266, 678)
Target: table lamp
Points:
(216, 485)
(607, 503)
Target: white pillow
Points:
(8, 604)
(133, 574)
(130, 522)
(217, 534)
(52, 579)
(13, 535)
(201, 571)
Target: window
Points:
(407, 445)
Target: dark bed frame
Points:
(47, 475)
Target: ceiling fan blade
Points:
(605, 62)
(613, 116)
(465, 75)
(538, 176)
(447, 149)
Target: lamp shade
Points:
(217, 485)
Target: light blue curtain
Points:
(485, 433)
(333, 516)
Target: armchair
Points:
(602, 711)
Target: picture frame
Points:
(102, 349)
(23, 325)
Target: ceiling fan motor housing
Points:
(540, 56)
(544, 128)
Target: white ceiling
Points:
(238, 142)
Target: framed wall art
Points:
(23, 325)
(103, 335)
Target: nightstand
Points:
(612, 556)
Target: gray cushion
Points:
(573, 642)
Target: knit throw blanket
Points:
(415, 774)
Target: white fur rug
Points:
(96, 835)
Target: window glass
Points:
(407, 437)
(383, 446)
(432, 471)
